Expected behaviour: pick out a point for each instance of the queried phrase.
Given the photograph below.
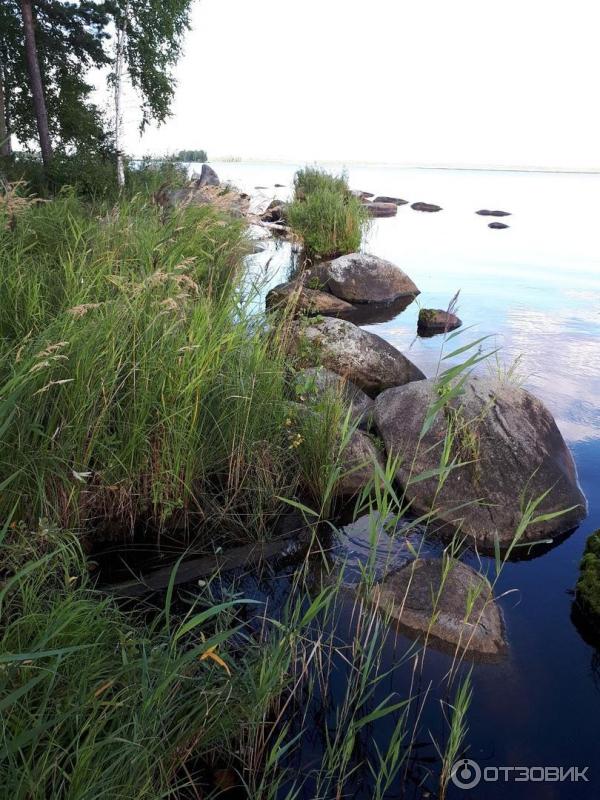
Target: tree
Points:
(5, 148)
(149, 35)
(35, 81)
(69, 39)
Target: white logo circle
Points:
(465, 773)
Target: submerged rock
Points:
(357, 464)
(364, 358)
(587, 593)
(434, 320)
(381, 209)
(396, 200)
(426, 207)
(306, 300)
(448, 601)
(363, 278)
(514, 450)
(498, 226)
(317, 381)
(485, 212)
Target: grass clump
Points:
(325, 215)
(98, 703)
(588, 585)
(135, 385)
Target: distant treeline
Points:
(191, 155)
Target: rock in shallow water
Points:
(498, 226)
(363, 278)
(485, 212)
(385, 199)
(447, 601)
(306, 300)
(514, 448)
(364, 358)
(434, 320)
(381, 209)
(425, 207)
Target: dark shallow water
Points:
(536, 288)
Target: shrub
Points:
(327, 217)
(588, 585)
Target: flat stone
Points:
(485, 212)
(381, 209)
(306, 301)
(446, 601)
(385, 199)
(425, 207)
(498, 226)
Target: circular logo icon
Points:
(465, 773)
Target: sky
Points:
(435, 82)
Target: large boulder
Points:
(513, 448)
(435, 320)
(208, 177)
(364, 358)
(446, 601)
(363, 278)
(420, 206)
(304, 300)
(381, 209)
(357, 464)
(318, 381)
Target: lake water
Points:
(535, 287)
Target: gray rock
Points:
(498, 226)
(306, 300)
(385, 199)
(357, 464)
(449, 602)
(485, 212)
(208, 177)
(364, 358)
(363, 278)
(360, 194)
(513, 447)
(381, 209)
(434, 320)
(317, 381)
(425, 207)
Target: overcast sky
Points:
(449, 82)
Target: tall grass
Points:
(134, 384)
(325, 215)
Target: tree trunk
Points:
(119, 62)
(35, 81)
(4, 132)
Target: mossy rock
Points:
(588, 585)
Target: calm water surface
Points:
(535, 287)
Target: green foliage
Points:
(90, 174)
(143, 386)
(98, 703)
(588, 585)
(198, 156)
(70, 40)
(154, 33)
(327, 217)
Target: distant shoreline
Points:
(389, 164)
